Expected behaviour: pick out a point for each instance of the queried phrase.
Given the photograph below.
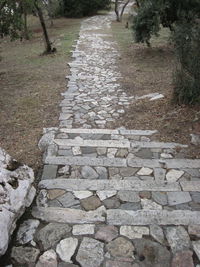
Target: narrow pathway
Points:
(109, 197)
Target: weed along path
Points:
(109, 197)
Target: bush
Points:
(80, 8)
(187, 81)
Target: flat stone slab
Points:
(88, 161)
(65, 143)
(146, 217)
(155, 145)
(66, 215)
(88, 131)
(168, 163)
(137, 132)
(107, 185)
(192, 186)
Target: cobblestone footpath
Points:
(109, 197)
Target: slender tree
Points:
(119, 13)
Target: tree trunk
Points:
(117, 10)
(42, 22)
(123, 8)
(26, 35)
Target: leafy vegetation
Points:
(182, 17)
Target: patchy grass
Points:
(30, 87)
(148, 70)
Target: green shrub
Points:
(187, 78)
(80, 8)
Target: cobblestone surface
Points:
(110, 197)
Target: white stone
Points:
(26, 231)
(166, 156)
(148, 204)
(48, 259)
(105, 194)
(66, 248)
(46, 140)
(76, 151)
(15, 194)
(82, 194)
(111, 152)
(174, 175)
(145, 171)
(64, 170)
(134, 231)
(86, 229)
(157, 233)
(177, 238)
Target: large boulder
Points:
(16, 193)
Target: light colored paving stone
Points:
(66, 248)
(90, 253)
(192, 186)
(145, 172)
(175, 198)
(48, 259)
(105, 194)
(108, 185)
(88, 131)
(174, 175)
(128, 196)
(83, 229)
(155, 145)
(26, 231)
(146, 217)
(178, 238)
(148, 204)
(136, 132)
(66, 215)
(106, 233)
(84, 161)
(194, 230)
(157, 233)
(168, 163)
(133, 232)
(82, 194)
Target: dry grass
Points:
(147, 70)
(30, 87)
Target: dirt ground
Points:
(150, 70)
(30, 87)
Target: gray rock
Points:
(122, 153)
(89, 173)
(46, 140)
(144, 154)
(66, 248)
(47, 259)
(68, 200)
(26, 231)
(102, 172)
(196, 247)
(129, 196)
(49, 172)
(85, 229)
(183, 259)
(90, 253)
(160, 198)
(178, 238)
(151, 254)
(120, 247)
(195, 139)
(25, 255)
(157, 233)
(51, 234)
(111, 203)
(133, 232)
(127, 172)
(91, 203)
(195, 196)
(130, 206)
(175, 198)
(107, 233)
(194, 230)
(111, 263)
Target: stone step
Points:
(150, 217)
(108, 131)
(79, 142)
(86, 161)
(117, 216)
(166, 163)
(119, 162)
(109, 185)
(66, 215)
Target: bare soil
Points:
(30, 87)
(150, 70)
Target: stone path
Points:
(107, 197)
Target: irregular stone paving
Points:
(109, 198)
